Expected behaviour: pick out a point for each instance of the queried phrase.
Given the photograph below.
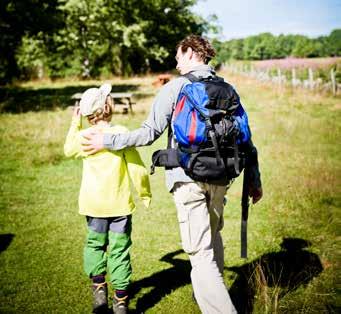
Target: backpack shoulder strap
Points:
(192, 77)
(219, 78)
(169, 135)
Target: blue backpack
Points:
(210, 127)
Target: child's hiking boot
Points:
(100, 294)
(120, 305)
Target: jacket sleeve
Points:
(157, 121)
(247, 145)
(72, 146)
(252, 164)
(138, 175)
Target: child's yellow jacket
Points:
(107, 176)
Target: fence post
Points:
(279, 75)
(311, 79)
(252, 71)
(293, 77)
(332, 76)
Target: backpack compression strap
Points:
(193, 78)
(207, 119)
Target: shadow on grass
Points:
(5, 241)
(288, 269)
(19, 100)
(162, 282)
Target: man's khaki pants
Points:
(200, 209)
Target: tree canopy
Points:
(19, 19)
(267, 46)
(90, 38)
(85, 38)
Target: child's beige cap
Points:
(93, 99)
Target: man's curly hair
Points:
(201, 46)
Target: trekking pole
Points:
(245, 213)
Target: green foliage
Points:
(334, 41)
(30, 57)
(267, 46)
(95, 37)
(237, 49)
(23, 18)
(304, 48)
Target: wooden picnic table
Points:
(118, 99)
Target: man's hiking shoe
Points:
(100, 294)
(120, 305)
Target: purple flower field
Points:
(299, 63)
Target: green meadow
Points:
(293, 231)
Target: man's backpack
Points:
(209, 125)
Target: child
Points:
(106, 200)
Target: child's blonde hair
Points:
(103, 114)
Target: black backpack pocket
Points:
(203, 166)
(167, 158)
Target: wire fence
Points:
(312, 81)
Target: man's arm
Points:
(150, 130)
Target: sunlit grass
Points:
(297, 134)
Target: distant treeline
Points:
(267, 46)
(82, 38)
(59, 38)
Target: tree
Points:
(223, 51)
(284, 45)
(94, 37)
(267, 46)
(334, 40)
(304, 47)
(122, 37)
(264, 47)
(249, 44)
(236, 46)
(19, 18)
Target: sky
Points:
(242, 18)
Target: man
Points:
(199, 205)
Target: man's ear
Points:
(107, 108)
(109, 104)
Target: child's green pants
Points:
(107, 247)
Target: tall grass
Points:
(42, 235)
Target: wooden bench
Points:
(124, 99)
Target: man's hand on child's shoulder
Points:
(92, 141)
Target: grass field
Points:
(293, 231)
